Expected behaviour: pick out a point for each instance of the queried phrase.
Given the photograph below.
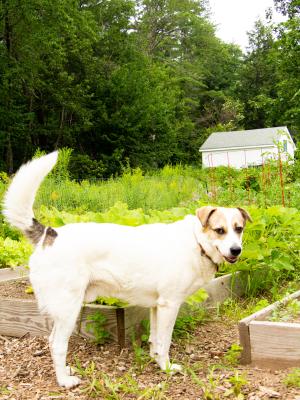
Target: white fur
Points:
(155, 266)
(20, 196)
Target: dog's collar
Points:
(204, 254)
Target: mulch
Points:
(26, 370)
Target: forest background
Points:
(140, 83)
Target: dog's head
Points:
(222, 230)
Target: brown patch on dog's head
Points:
(204, 213)
(245, 215)
(217, 225)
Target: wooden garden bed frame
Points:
(19, 316)
(269, 344)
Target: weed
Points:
(110, 301)
(186, 324)
(5, 390)
(233, 354)
(293, 378)
(145, 326)
(236, 309)
(100, 385)
(29, 290)
(141, 357)
(286, 312)
(209, 386)
(237, 381)
(96, 327)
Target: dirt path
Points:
(26, 371)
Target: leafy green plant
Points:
(5, 391)
(236, 309)
(293, 378)
(145, 326)
(96, 327)
(233, 354)
(100, 385)
(198, 297)
(286, 312)
(209, 386)
(186, 324)
(29, 290)
(14, 252)
(110, 301)
(238, 382)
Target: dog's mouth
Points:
(231, 259)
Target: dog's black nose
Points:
(235, 251)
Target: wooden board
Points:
(7, 274)
(19, 317)
(258, 346)
(224, 287)
(275, 344)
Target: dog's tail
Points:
(19, 198)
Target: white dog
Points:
(155, 265)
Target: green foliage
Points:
(293, 378)
(197, 298)
(14, 252)
(145, 325)
(286, 312)
(29, 290)
(142, 82)
(237, 309)
(233, 354)
(110, 301)
(237, 381)
(100, 385)
(95, 325)
(271, 250)
(185, 325)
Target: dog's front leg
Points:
(59, 339)
(165, 320)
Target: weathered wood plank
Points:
(7, 274)
(18, 317)
(133, 317)
(246, 333)
(245, 342)
(275, 343)
(224, 287)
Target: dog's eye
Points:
(220, 231)
(239, 229)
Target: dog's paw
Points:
(68, 381)
(171, 368)
(174, 368)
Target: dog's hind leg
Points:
(153, 333)
(58, 341)
(166, 317)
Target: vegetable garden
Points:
(270, 258)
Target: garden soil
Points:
(26, 370)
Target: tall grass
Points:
(169, 187)
(173, 187)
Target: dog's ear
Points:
(204, 213)
(245, 215)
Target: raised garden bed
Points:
(19, 313)
(268, 340)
